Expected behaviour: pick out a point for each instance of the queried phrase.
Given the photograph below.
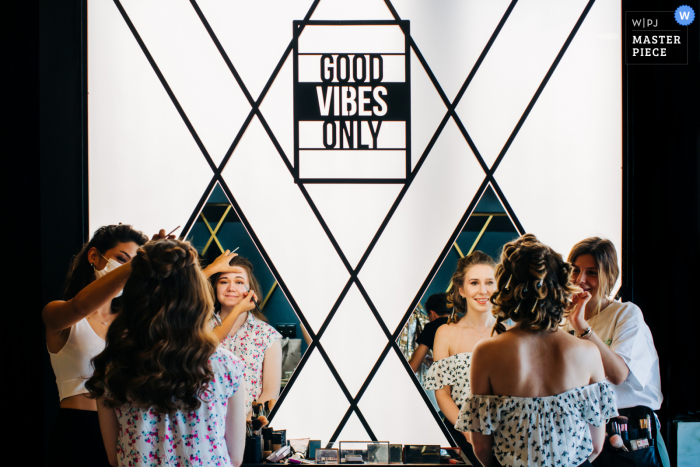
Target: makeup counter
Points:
(267, 445)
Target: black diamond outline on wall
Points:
(451, 113)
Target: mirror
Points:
(487, 230)
(218, 228)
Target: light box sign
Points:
(352, 101)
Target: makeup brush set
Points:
(625, 438)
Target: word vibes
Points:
(352, 88)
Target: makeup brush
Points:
(259, 423)
(247, 289)
(616, 442)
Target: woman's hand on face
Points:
(577, 317)
(221, 264)
(247, 303)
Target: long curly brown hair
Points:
(534, 286)
(158, 347)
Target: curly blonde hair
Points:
(534, 286)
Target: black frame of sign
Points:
(391, 335)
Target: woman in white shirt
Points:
(624, 340)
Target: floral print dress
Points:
(451, 371)
(540, 431)
(183, 439)
(249, 343)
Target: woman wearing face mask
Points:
(625, 343)
(245, 331)
(75, 332)
(472, 285)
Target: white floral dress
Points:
(249, 343)
(149, 438)
(451, 371)
(540, 431)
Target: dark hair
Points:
(80, 271)
(247, 266)
(603, 252)
(158, 348)
(454, 300)
(534, 286)
(438, 304)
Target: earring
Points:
(93, 266)
(508, 283)
(534, 306)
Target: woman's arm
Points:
(272, 373)
(246, 304)
(483, 445)
(59, 315)
(615, 367)
(598, 438)
(109, 426)
(418, 356)
(235, 426)
(443, 395)
(480, 382)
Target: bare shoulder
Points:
(446, 330)
(487, 348)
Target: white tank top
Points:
(71, 364)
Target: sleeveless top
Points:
(540, 431)
(451, 371)
(72, 364)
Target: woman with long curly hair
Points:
(75, 332)
(166, 394)
(539, 395)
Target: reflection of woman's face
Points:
(231, 287)
(479, 284)
(585, 274)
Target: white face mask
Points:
(111, 266)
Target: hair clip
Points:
(515, 312)
(508, 283)
(539, 284)
(525, 289)
(534, 306)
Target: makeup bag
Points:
(645, 457)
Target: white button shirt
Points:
(621, 326)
